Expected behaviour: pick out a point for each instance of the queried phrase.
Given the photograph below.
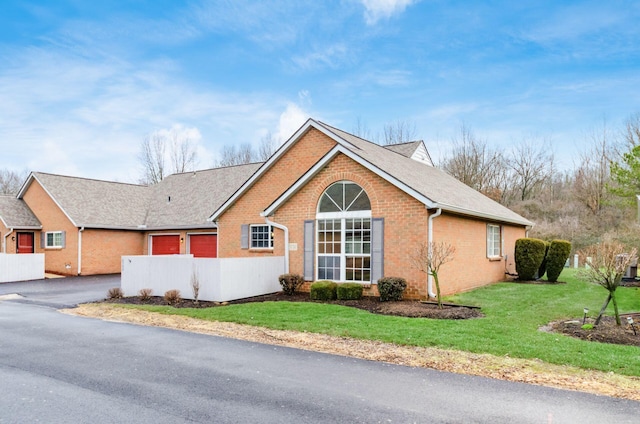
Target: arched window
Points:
(344, 234)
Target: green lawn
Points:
(514, 312)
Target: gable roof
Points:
(14, 213)
(415, 150)
(445, 191)
(94, 203)
(187, 200)
(179, 201)
(429, 185)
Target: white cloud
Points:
(383, 9)
(290, 121)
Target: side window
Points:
(261, 237)
(494, 241)
(54, 239)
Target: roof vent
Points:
(169, 199)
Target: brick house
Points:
(85, 226)
(342, 208)
(335, 206)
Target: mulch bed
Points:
(606, 332)
(403, 308)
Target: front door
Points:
(25, 243)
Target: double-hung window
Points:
(53, 239)
(494, 241)
(261, 237)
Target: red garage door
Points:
(165, 245)
(203, 245)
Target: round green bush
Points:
(349, 291)
(528, 256)
(543, 265)
(391, 288)
(323, 290)
(559, 251)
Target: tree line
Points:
(592, 201)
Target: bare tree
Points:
(152, 158)
(183, 153)
(529, 163)
(631, 131)
(476, 165)
(11, 181)
(607, 263)
(361, 130)
(400, 131)
(268, 146)
(429, 258)
(157, 148)
(592, 175)
(232, 155)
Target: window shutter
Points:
(308, 250)
(377, 249)
(63, 239)
(488, 240)
(244, 236)
(42, 240)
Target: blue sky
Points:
(83, 82)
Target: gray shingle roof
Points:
(105, 204)
(95, 203)
(15, 213)
(405, 149)
(194, 196)
(436, 185)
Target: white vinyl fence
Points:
(220, 279)
(21, 267)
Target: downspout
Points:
(80, 250)
(286, 241)
(4, 241)
(430, 292)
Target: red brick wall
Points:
(246, 210)
(405, 221)
(102, 250)
(53, 219)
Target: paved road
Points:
(62, 292)
(59, 368)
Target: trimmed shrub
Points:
(172, 297)
(115, 293)
(543, 265)
(349, 291)
(391, 288)
(528, 256)
(145, 294)
(559, 251)
(290, 283)
(323, 290)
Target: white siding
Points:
(221, 279)
(21, 267)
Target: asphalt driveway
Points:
(60, 292)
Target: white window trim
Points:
(343, 243)
(251, 240)
(490, 255)
(46, 240)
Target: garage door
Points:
(203, 245)
(165, 245)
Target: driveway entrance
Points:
(61, 292)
